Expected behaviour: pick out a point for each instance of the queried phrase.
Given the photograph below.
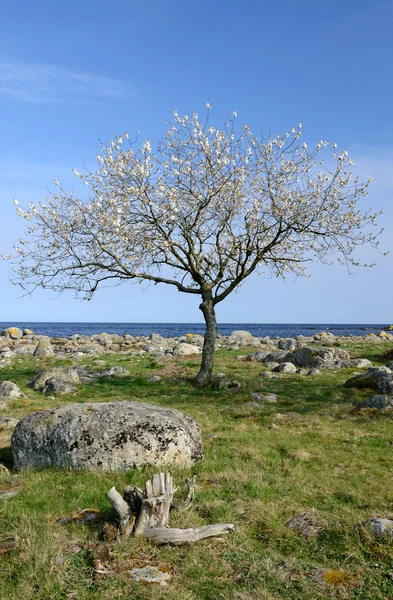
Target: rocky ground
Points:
(297, 437)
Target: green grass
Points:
(307, 453)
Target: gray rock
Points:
(56, 386)
(361, 363)
(115, 372)
(288, 344)
(271, 364)
(153, 378)
(44, 348)
(302, 371)
(9, 389)
(380, 527)
(108, 436)
(241, 337)
(303, 357)
(269, 375)
(8, 423)
(257, 356)
(378, 401)
(220, 383)
(264, 397)
(278, 357)
(313, 372)
(185, 349)
(379, 379)
(65, 374)
(285, 367)
(150, 574)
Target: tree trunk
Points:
(204, 376)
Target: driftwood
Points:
(146, 514)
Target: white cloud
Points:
(50, 83)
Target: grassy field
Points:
(308, 453)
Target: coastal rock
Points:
(183, 349)
(115, 372)
(44, 348)
(108, 436)
(278, 357)
(56, 386)
(9, 389)
(241, 337)
(12, 332)
(285, 367)
(65, 374)
(288, 344)
(380, 402)
(303, 357)
(257, 356)
(379, 379)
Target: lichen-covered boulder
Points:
(108, 436)
(44, 348)
(379, 379)
(9, 389)
(66, 374)
(12, 332)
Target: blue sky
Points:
(74, 72)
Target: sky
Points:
(74, 73)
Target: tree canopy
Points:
(200, 211)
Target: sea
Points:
(178, 329)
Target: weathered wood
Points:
(124, 512)
(163, 535)
(147, 514)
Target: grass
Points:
(309, 453)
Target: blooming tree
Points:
(201, 211)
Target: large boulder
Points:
(12, 332)
(185, 349)
(66, 374)
(303, 357)
(288, 344)
(44, 348)
(109, 436)
(379, 379)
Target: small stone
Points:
(307, 524)
(9, 389)
(8, 423)
(115, 372)
(313, 372)
(153, 378)
(380, 527)
(150, 575)
(285, 367)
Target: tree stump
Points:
(146, 513)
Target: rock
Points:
(278, 357)
(253, 405)
(44, 348)
(183, 349)
(361, 363)
(241, 337)
(10, 390)
(269, 375)
(285, 367)
(271, 364)
(56, 386)
(108, 436)
(378, 401)
(301, 371)
(12, 332)
(303, 357)
(28, 332)
(3, 469)
(220, 383)
(114, 372)
(65, 374)
(8, 423)
(380, 527)
(150, 574)
(257, 356)
(379, 379)
(264, 397)
(153, 378)
(313, 372)
(85, 375)
(288, 344)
